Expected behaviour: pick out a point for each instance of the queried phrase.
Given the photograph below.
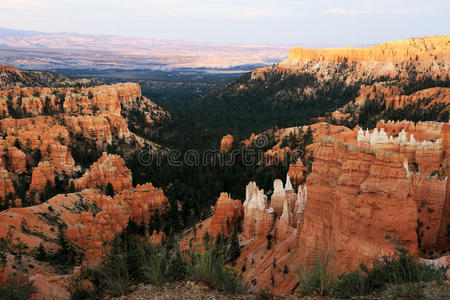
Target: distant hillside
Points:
(11, 77)
(37, 50)
(312, 83)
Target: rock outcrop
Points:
(227, 214)
(108, 169)
(6, 185)
(297, 172)
(42, 174)
(226, 143)
(428, 48)
(353, 203)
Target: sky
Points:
(324, 22)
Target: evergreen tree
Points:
(41, 253)
(17, 144)
(308, 137)
(62, 240)
(109, 190)
(72, 188)
(36, 156)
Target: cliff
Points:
(427, 48)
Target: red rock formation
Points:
(227, 214)
(6, 185)
(426, 155)
(258, 217)
(108, 169)
(421, 130)
(354, 196)
(226, 143)
(144, 201)
(15, 160)
(42, 174)
(157, 238)
(91, 127)
(43, 133)
(297, 172)
(429, 195)
(445, 221)
(404, 50)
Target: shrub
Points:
(351, 284)
(399, 270)
(315, 278)
(115, 275)
(157, 264)
(133, 259)
(208, 265)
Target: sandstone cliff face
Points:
(15, 160)
(427, 155)
(228, 213)
(353, 203)
(297, 172)
(144, 201)
(43, 133)
(428, 48)
(429, 55)
(429, 194)
(349, 204)
(108, 169)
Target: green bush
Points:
(116, 276)
(208, 265)
(399, 270)
(132, 259)
(315, 278)
(351, 284)
(157, 264)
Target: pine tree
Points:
(109, 190)
(63, 244)
(72, 187)
(41, 254)
(17, 144)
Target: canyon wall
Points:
(428, 48)
(348, 206)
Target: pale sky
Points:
(232, 21)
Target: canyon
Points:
(358, 188)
